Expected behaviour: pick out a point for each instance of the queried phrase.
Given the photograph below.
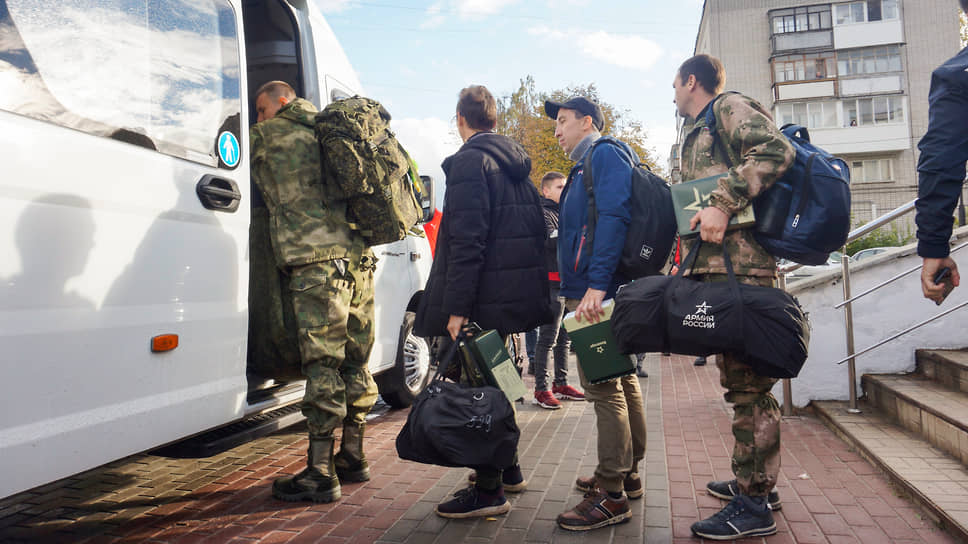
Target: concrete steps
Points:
(915, 428)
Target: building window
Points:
(808, 114)
(863, 12)
(804, 67)
(161, 74)
(801, 19)
(880, 110)
(871, 170)
(872, 60)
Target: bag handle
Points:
(690, 262)
(447, 359)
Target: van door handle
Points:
(219, 194)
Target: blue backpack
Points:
(805, 215)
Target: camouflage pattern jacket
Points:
(306, 224)
(760, 154)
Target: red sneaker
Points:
(546, 400)
(567, 392)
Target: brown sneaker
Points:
(632, 485)
(597, 510)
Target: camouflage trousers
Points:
(333, 306)
(756, 415)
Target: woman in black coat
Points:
(489, 266)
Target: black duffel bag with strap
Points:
(763, 326)
(456, 425)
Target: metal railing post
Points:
(787, 386)
(849, 322)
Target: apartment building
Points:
(856, 74)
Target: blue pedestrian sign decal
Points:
(228, 149)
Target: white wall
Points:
(870, 85)
(868, 34)
(876, 316)
(863, 139)
(806, 90)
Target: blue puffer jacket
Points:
(580, 265)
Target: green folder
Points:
(596, 347)
(691, 196)
(487, 349)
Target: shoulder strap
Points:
(713, 125)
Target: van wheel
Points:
(400, 385)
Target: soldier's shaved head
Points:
(275, 89)
(271, 97)
(708, 71)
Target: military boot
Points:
(350, 462)
(318, 483)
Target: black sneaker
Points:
(728, 490)
(743, 517)
(473, 502)
(700, 361)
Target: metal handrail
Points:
(848, 299)
(895, 278)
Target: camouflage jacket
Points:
(306, 225)
(759, 153)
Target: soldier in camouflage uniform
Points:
(750, 140)
(330, 284)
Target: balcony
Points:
(853, 35)
(864, 139)
(802, 90)
(797, 41)
(870, 85)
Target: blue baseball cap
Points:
(580, 104)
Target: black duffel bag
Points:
(454, 425)
(763, 326)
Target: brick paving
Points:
(829, 493)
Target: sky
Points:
(415, 56)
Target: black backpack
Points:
(652, 227)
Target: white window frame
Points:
(861, 170)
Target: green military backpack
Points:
(364, 164)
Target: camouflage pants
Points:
(756, 415)
(333, 306)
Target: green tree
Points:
(521, 117)
(964, 29)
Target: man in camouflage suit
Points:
(330, 284)
(751, 153)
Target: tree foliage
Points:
(521, 117)
(964, 29)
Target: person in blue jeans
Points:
(552, 336)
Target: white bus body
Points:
(113, 113)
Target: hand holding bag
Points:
(453, 425)
(763, 326)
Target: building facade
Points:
(856, 74)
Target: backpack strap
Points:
(714, 130)
(588, 180)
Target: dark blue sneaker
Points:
(743, 517)
(473, 502)
(728, 490)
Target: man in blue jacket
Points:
(588, 276)
(941, 168)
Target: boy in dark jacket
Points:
(489, 265)
(552, 336)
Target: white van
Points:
(124, 225)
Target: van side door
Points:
(120, 221)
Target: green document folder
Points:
(487, 349)
(692, 196)
(596, 347)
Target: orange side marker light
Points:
(164, 342)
